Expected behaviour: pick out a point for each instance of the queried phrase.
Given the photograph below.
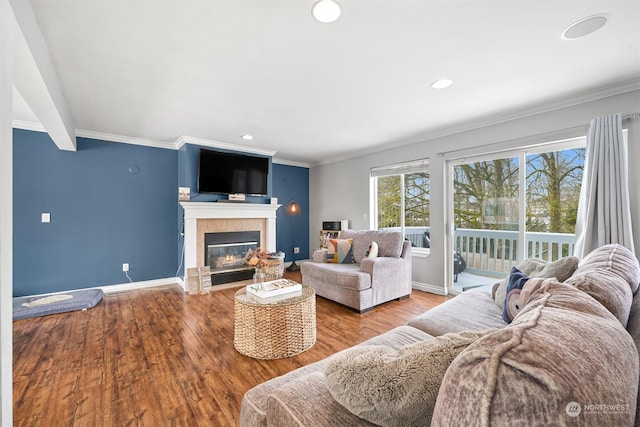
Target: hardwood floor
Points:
(157, 357)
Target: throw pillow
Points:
(517, 298)
(528, 266)
(339, 251)
(517, 279)
(372, 252)
(390, 243)
(561, 269)
(392, 387)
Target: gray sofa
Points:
(365, 281)
(569, 357)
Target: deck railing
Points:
(493, 252)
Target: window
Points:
(516, 204)
(401, 200)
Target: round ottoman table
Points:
(280, 327)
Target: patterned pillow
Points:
(518, 298)
(510, 308)
(372, 252)
(339, 251)
(529, 266)
(561, 269)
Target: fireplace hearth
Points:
(225, 254)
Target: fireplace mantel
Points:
(201, 211)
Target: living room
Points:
(114, 199)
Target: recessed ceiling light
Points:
(326, 11)
(442, 83)
(585, 26)
(247, 137)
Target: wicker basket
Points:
(275, 330)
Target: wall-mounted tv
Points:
(231, 173)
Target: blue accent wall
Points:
(110, 203)
(292, 183)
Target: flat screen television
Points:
(231, 173)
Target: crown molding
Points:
(124, 139)
(290, 163)
(223, 145)
(25, 125)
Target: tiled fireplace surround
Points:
(208, 217)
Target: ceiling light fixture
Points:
(442, 84)
(585, 26)
(326, 11)
(247, 137)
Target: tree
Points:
(389, 201)
(482, 190)
(553, 189)
(416, 209)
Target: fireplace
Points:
(209, 217)
(225, 253)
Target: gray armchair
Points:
(365, 282)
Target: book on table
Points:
(274, 288)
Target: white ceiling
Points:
(216, 70)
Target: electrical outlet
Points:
(296, 250)
(125, 267)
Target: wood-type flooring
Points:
(160, 357)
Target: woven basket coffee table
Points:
(282, 327)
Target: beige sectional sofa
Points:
(362, 282)
(569, 357)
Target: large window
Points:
(516, 204)
(401, 200)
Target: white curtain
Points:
(604, 213)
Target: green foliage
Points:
(553, 188)
(389, 201)
(416, 200)
(485, 194)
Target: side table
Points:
(282, 327)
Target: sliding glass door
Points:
(486, 219)
(513, 205)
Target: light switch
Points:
(46, 217)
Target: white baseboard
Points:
(109, 289)
(141, 285)
(425, 287)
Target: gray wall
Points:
(340, 190)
